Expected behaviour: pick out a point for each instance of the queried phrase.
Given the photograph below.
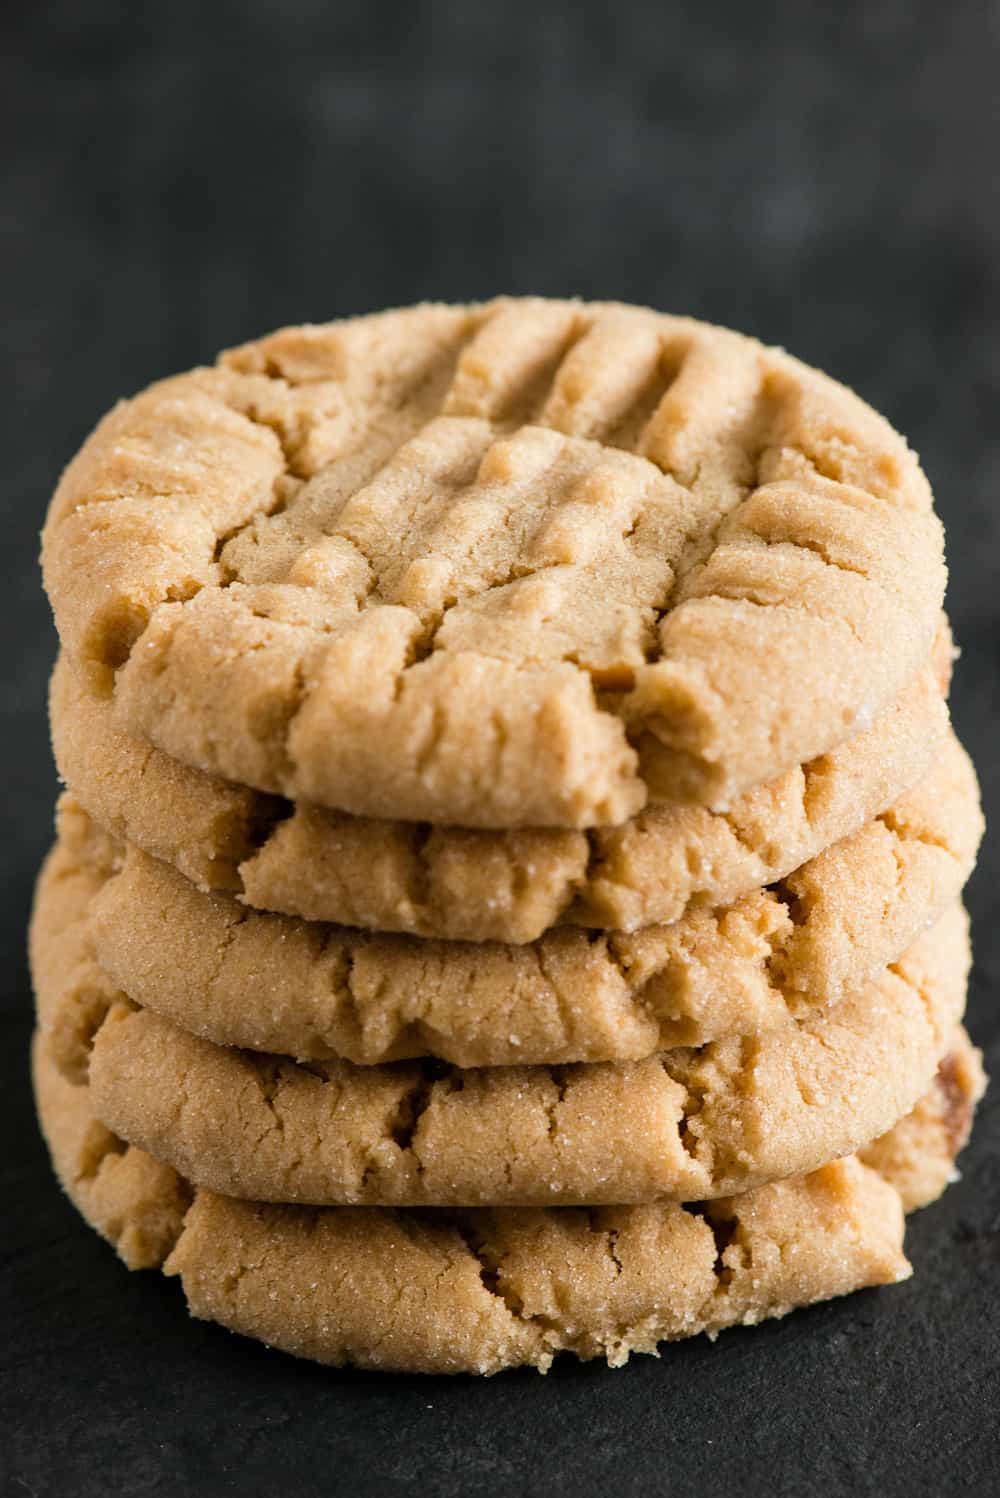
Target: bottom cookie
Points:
(442, 1291)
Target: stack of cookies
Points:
(507, 896)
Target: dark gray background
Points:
(179, 177)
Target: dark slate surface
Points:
(179, 177)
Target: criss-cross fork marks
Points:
(541, 484)
(443, 529)
(517, 522)
(431, 458)
(485, 540)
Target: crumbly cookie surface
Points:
(522, 564)
(462, 884)
(686, 1124)
(479, 1291)
(918, 1155)
(267, 982)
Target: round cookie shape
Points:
(482, 1290)
(272, 983)
(685, 1125)
(529, 563)
(464, 884)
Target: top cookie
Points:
(527, 563)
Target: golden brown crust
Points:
(477, 1291)
(242, 977)
(463, 884)
(529, 563)
(482, 1290)
(685, 1124)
